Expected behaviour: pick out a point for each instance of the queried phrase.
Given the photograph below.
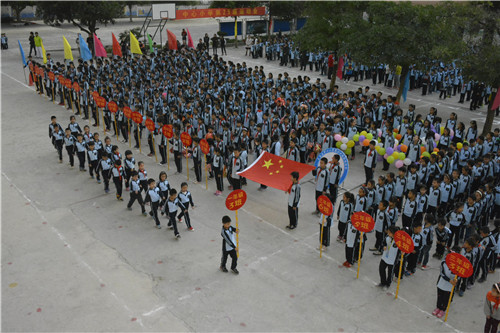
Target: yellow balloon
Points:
(350, 144)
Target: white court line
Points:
(76, 255)
(22, 83)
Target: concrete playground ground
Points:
(75, 259)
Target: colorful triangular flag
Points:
(68, 54)
(99, 49)
(117, 49)
(134, 44)
(172, 40)
(22, 53)
(84, 49)
(44, 54)
(150, 41)
(190, 39)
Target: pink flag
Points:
(496, 101)
(339, 67)
(190, 40)
(99, 48)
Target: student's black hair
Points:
(173, 191)
(393, 199)
(325, 160)
(485, 230)
(295, 175)
(91, 143)
(393, 229)
(53, 117)
(71, 118)
(150, 181)
(384, 202)
(412, 191)
(456, 249)
(442, 222)
(134, 173)
(114, 148)
(128, 152)
(184, 184)
(161, 174)
(226, 219)
(140, 162)
(429, 218)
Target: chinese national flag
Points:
(274, 171)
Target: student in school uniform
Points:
(334, 177)
(293, 201)
(93, 160)
(153, 196)
(81, 148)
(445, 283)
(236, 166)
(164, 187)
(422, 200)
(352, 239)
(400, 186)
(218, 168)
(456, 218)
(325, 242)
(135, 192)
(370, 161)
(74, 127)
(381, 225)
(229, 247)
(389, 256)
(445, 195)
(392, 211)
(69, 144)
(177, 149)
(53, 122)
(197, 155)
(129, 165)
(185, 199)
(411, 259)
(360, 203)
(427, 240)
(322, 182)
(434, 198)
(468, 252)
(442, 236)
(488, 244)
(104, 168)
(172, 207)
(344, 213)
(118, 174)
(410, 211)
(143, 176)
(58, 137)
(491, 309)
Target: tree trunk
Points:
(404, 70)
(489, 116)
(130, 11)
(18, 15)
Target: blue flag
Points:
(406, 86)
(84, 50)
(22, 53)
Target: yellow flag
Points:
(44, 54)
(67, 50)
(235, 28)
(134, 44)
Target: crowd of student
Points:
(241, 110)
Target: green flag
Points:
(150, 43)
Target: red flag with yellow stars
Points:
(274, 171)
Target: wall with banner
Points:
(284, 25)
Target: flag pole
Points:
(399, 275)
(206, 172)
(321, 237)
(237, 236)
(128, 132)
(24, 72)
(360, 248)
(449, 300)
(168, 157)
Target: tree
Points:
(288, 10)
(327, 25)
(479, 48)
(83, 14)
(124, 37)
(18, 7)
(234, 4)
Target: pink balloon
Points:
(437, 137)
(399, 164)
(385, 155)
(338, 137)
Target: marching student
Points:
(177, 149)
(427, 239)
(135, 192)
(321, 174)
(422, 200)
(445, 283)
(456, 219)
(104, 167)
(69, 143)
(434, 198)
(410, 211)
(185, 199)
(381, 225)
(129, 168)
(143, 177)
(218, 168)
(53, 122)
(93, 157)
(229, 247)
(153, 195)
(389, 256)
(58, 137)
(293, 201)
(81, 148)
(118, 174)
(488, 244)
(370, 161)
(164, 187)
(115, 154)
(74, 127)
(171, 208)
(344, 214)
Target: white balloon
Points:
(344, 140)
(407, 161)
(380, 144)
(396, 142)
(343, 146)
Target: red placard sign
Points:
(236, 199)
(362, 221)
(52, 76)
(168, 131)
(404, 241)
(150, 125)
(36, 70)
(186, 139)
(127, 112)
(101, 102)
(112, 107)
(31, 66)
(325, 205)
(459, 265)
(76, 86)
(205, 147)
(69, 85)
(95, 94)
(137, 117)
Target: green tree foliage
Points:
(235, 4)
(83, 14)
